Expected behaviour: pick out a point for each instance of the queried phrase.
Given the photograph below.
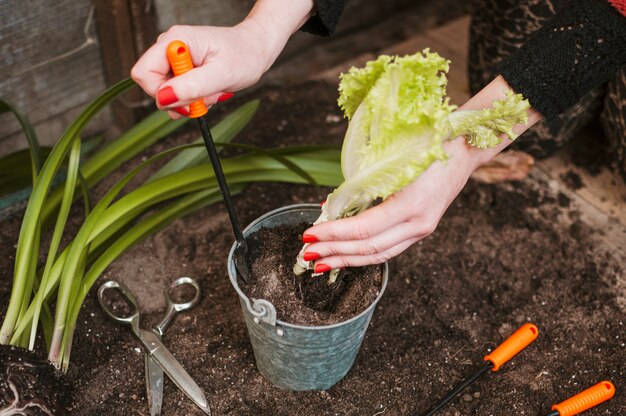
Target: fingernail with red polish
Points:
(310, 256)
(308, 238)
(322, 268)
(225, 96)
(182, 111)
(322, 203)
(166, 96)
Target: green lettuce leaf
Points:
(483, 128)
(396, 130)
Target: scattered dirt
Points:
(594, 152)
(572, 180)
(502, 255)
(306, 299)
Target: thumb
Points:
(206, 82)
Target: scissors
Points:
(158, 359)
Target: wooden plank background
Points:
(33, 32)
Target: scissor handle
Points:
(182, 281)
(174, 307)
(128, 297)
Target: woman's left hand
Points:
(386, 230)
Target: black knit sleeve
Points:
(323, 23)
(576, 51)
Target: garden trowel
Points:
(180, 61)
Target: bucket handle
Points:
(263, 311)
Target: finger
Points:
(209, 80)
(209, 101)
(152, 69)
(174, 115)
(337, 262)
(373, 245)
(360, 227)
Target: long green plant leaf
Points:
(274, 155)
(322, 164)
(148, 226)
(68, 197)
(31, 136)
(26, 247)
(72, 269)
(222, 132)
(108, 158)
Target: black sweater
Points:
(576, 51)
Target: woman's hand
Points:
(384, 231)
(227, 59)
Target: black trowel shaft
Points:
(221, 179)
(458, 389)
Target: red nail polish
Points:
(310, 256)
(166, 96)
(322, 203)
(322, 268)
(182, 111)
(308, 238)
(225, 96)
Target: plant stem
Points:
(26, 247)
(68, 197)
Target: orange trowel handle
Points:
(513, 345)
(180, 62)
(585, 400)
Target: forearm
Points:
(472, 157)
(576, 51)
(276, 21)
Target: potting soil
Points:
(306, 299)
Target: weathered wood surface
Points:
(32, 34)
(125, 28)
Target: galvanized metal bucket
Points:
(298, 357)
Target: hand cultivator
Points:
(180, 61)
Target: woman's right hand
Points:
(227, 59)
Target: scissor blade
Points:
(154, 385)
(170, 366)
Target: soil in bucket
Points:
(305, 299)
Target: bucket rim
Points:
(232, 273)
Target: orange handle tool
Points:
(507, 350)
(585, 400)
(180, 62)
(513, 345)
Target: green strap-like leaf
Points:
(66, 204)
(72, 268)
(31, 136)
(321, 162)
(276, 156)
(222, 132)
(26, 248)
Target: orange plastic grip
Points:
(180, 62)
(585, 400)
(514, 344)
